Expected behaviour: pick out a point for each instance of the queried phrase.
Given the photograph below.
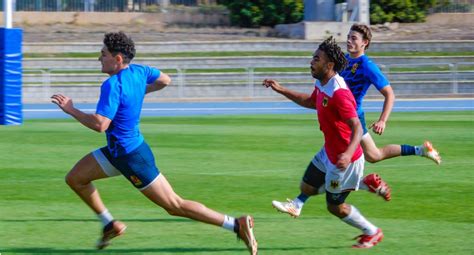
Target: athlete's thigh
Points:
(161, 192)
(313, 179)
(369, 147)
(87, 169)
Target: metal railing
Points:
(407, 80)
(101, 5)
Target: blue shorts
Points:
(362, 122)
(137, 166)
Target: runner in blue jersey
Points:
(360, 73)
(127, 153)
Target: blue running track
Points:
(35, 111)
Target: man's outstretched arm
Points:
(94, 121)
(302, 99)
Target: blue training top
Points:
(359, 74)
(121, 100)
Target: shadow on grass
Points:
(33, 250)
(95, 220)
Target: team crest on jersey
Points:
(334, 184)
(135, 180)
(325, 101)
(354, 68)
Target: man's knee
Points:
(339, 211)
(74, 179)
(308, 189)
(71, 180)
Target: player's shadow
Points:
(95, 220)
(33, 250)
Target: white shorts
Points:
(105, 164)
(338, 181)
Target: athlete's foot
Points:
(246, 234)
(430, 152)
(111, 230)
(368, 241)
(378, 186)
(289, 207)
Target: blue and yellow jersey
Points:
(359, 74)
(121, 100)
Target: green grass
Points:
(236, 165)
(243, 53)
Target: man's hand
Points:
(378, 127)
(272, 84)
(343, 161)
(64, 102)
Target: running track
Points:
(35, 111)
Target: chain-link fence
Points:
(453, 6)
(101, 5)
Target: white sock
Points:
(356, 220)
(299, 204)
(105, 217)
(418, 150)
(229, 223)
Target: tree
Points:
(400, 10)
(255, 13)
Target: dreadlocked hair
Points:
(334, 53)
(364, 30)
(120, 43)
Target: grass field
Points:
(237, 165)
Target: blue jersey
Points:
(359, 74)
(121, 100)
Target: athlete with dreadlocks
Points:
(338, 168)
(359, 74)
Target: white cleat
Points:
(430, 152)
(287, 207)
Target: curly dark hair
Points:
(334, 53)
(365, 31)
(119, 42)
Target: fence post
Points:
(46, 75)
(454, 78)
(251, 79)
(181, 81)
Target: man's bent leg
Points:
(80, 180)
(312, 184)
(162, 194)
(80, 177)
(352, 216)
(373, 154)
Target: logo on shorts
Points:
(334, 184)
(354, 68)
(325, 101)
(335, 197)
(135, 180)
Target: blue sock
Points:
(302, 197)
(408, 150)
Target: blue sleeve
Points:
(152, 74)
(109, 100)
(376, 76)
